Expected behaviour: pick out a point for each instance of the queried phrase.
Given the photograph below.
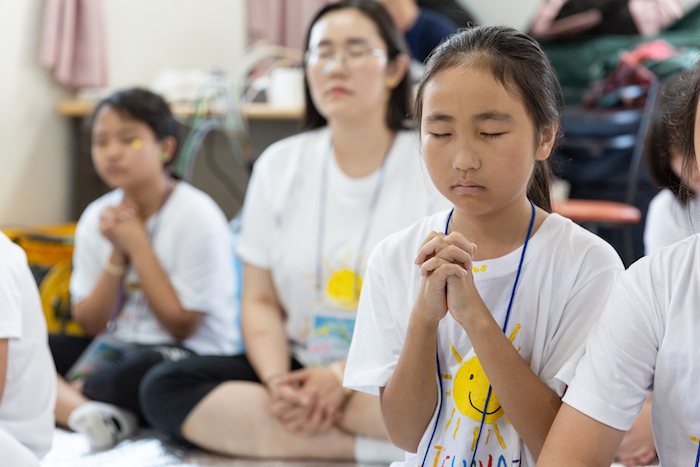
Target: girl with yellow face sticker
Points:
(152, 275)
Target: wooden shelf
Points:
(258, 111)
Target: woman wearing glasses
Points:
(316, 205)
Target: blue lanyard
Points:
(365, 230)
(505, 325)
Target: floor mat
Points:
(150, 449)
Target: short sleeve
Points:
(667, 221)
(10, 292)
(376, 343)
(656, 229)
(257, 226)
(579, 316)
(88, 255)
(615, 374)
(204, 270)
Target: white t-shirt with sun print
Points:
(282, 227)
(566, 277)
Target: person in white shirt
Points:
(27, 372)
(152, 272)
(674, 213)
(316, 205)
(469, 318)
(645, 340)
(672, 216)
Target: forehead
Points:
(468, 92)
(342, 26)
(110, 118)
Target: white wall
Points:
(33, 140)
(516, 13)
(142, 37)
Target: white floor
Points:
(71, 450)
(152, 450)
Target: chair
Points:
(49, 251)
(603, 150)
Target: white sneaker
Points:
(104, 425)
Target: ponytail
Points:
(538, 188)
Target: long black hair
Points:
(660, 143)
(681, 122)
(398, 107)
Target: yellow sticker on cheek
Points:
(136, 144)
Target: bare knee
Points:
(231, 419)
(363, 416)
(234, 419)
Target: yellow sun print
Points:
(470, 389)
(344, 288)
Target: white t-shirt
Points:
(26, 409)
(669, 222)
(281, 231)
(193, 246)
(567, 273)
(647, 339)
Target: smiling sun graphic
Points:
(470, 388)
(469, 391)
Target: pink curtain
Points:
(73, 44)
(282, 22)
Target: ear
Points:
(168, 146)
(397, 69)
(547, 139)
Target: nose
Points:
(111, 150)
(338, 61)
(466, 157)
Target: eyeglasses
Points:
(353, 56)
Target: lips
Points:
(114, 170)
(467, 187)
(337, 91)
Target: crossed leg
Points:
(233, 419)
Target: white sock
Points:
(374, 451)
(104, 425)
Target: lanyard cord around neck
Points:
(505, 325)
(368, 223)
(121, 292)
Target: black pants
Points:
(171, 390)
(118, 382)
